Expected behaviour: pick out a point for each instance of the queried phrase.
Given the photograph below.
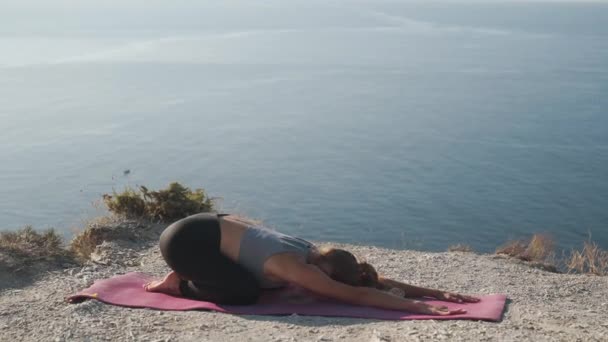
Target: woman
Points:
(225, 259)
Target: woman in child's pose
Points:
(225, 259)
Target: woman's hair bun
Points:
(367, 275)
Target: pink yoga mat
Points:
(126, 290)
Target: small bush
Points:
(591, 259)
(129, 203)
(172, 203)
(460, 248)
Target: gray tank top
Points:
(259, 244)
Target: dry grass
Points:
(83, 244)
(173, 203)
(591, 260)
(460, 248)
(539, 251)
(539, 248)
(21, 249)
(514, 248)
(108, 228)
(28, 242)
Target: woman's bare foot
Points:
(169, 285)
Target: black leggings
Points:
(191, 247)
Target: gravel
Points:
(543, 306)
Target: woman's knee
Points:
(231, 294)
(242, 296)
(243, 300)
(250, 294)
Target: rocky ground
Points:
(543, 306)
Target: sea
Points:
(398, 124)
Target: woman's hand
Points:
(455, 297)
(291, 269)
(428, 309)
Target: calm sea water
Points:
(395, 124)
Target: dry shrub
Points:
(538, 249)
(514, 248)
(460, 248)
(25, 249)
(173, 203)
(107, 229)
(83, 244)
(30, 243)
(539, 252)
(592, 259)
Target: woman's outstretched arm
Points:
(417, 292)
(310, 277)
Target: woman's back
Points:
(250, 245)
(258, 244)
